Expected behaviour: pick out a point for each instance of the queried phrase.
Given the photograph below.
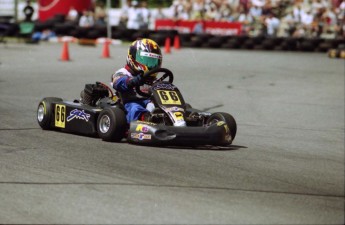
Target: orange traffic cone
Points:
(167, 45)
(177, 42)
(64, 53)
(106, 52)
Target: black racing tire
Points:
(195, 43)
(342, 54)
(159, 38)
(188, 106)
(112, 124)
(45, 112)
(333, 53)
(227, 118)
(306, 46)
(216, 41)
(248, 44)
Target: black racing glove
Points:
(135, 81)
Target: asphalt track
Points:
(286, 165)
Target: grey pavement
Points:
(286, 165)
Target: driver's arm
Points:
(123, 83)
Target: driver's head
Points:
(144, 55)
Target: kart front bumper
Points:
(146, 133)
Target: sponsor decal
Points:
(146, 122)
(220, 123)
(78, 114)
(228, 138)
(47, 5)
(226, 128)
(141, 136)
(142, 128)
(164, 86)
(151, 55)
(45, 108)
(174, 109)
(178, 116)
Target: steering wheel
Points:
(165, 73)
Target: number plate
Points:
(169, 97)
(60, 116)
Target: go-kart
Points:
(172, 122)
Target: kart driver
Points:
(143, 56)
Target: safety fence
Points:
(190, 39)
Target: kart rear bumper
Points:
(145, 133)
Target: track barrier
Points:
(336, 53)
(342, 54)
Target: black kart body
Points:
(172, 121)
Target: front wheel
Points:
(45, 112)
(111, 124)
(227, 118)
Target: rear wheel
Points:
(111, 124)
(45, 112)
(227, 118)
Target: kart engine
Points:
(92, 93)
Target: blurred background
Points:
(292, 25)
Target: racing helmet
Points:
(144, 55)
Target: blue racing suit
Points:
(124, 82)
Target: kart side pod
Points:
(142, 133)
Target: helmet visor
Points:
(151, 60)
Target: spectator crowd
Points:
(284, 18)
